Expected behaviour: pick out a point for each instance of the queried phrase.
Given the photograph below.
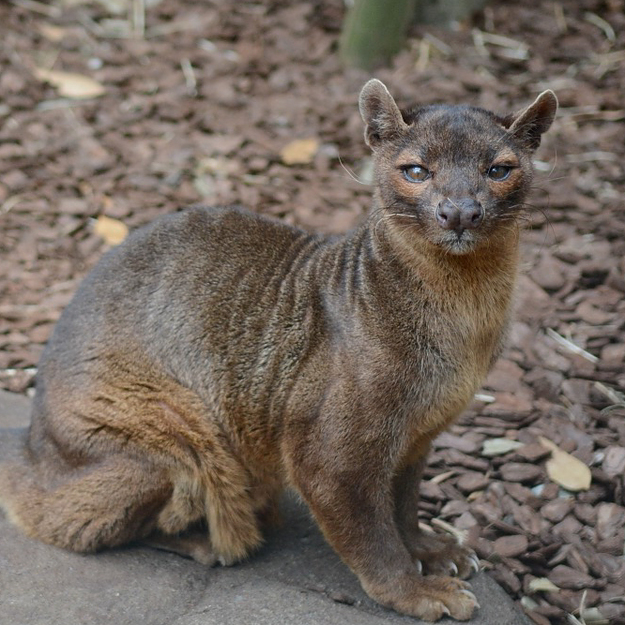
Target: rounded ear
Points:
(529, 124)
(381, 115)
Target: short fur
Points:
(217, 357)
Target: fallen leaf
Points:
(528, 603)
(593, 616)
(564, 469)
(53, 33)
(441, 477)
(217, 166)
(112, 231)
(499, 446)
(542, 584)
(70, 85)
(299, 152)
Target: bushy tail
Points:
(102, 505)
(20, 496)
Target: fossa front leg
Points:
(434, 554)
(356, 514)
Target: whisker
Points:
(350, 173)
(453, 203)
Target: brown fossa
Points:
(217, 357)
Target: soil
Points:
(202, 101)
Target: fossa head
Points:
(454, 176)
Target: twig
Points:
(606, 62)
(92, 26)
(570, 346)
(610, 57)
(560, 17)
(61, 103)
(189, 76)
(503, 41)
(599, 22)
(38, 7)
(424, 56)
(12, 371)
(441, 477)
(441, 46)
(512, 48)
(614, 396)
(478, 42)
(582, 605)
(138, 18)
(460, 535)
(9, 203)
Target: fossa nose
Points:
(459, 215)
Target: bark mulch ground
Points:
(202, 101)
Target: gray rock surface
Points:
(295, 579)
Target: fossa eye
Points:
(415, 173)
(499, 172)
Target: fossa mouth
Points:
(457, 242)
(462, 242)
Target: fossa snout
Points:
(459, 215)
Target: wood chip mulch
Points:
(199, 100)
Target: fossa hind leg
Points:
(436, 554)
(190, 458)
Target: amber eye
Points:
(499, 172)
(415, 173)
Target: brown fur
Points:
(217, 356)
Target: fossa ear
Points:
(529, 124)
(381, 115)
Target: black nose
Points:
(459, 215)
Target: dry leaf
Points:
(300, 152)
(593, 616)
(542, 584)
(53, 33)
(566, 470)
(112, 231)
(499, 446)
(70, 85)
(441, 477)
(528, 603)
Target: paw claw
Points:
(419, 566)
(471, 596)
(454, 569)
(475, 563)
